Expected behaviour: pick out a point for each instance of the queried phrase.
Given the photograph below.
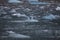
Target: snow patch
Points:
(58, 8)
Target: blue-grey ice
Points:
(14, 1)
(50, 17)
(13, 10)
(16, 35)
(29, 19)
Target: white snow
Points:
(19, 15)
(58, 8)
(45, 30)
(27, 9)
(42, 7)
(13, 10)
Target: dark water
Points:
(31, 29)
(29, 39)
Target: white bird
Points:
(16, 35)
